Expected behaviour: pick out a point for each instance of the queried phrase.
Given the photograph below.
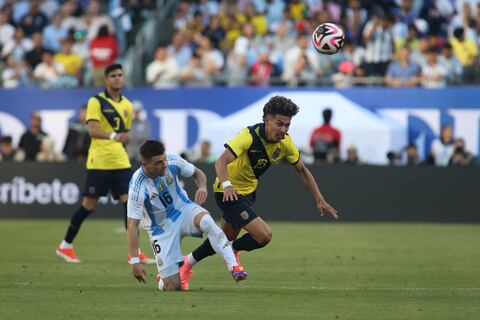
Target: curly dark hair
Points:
(280, 105)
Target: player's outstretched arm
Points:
(133, 244)
(201, 181)
(309, 181)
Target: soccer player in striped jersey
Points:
(156, 198)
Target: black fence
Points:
(364, 193)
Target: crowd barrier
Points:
(361, 193)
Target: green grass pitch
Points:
(309, 271)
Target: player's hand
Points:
(323, 207)
(230, 194)
(139, 272)
(122, 137)
(201, 195)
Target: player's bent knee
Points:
(265, 238)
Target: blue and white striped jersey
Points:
(158, 202)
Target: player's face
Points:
(156, 166)
(114, 80)
(276, 127)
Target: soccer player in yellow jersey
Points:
(245, 159)
(109, 118)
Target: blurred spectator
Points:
(103, 52)
(205, 155)
(34, 56)
(95, 19)
(194, 74)
(273, 12)
(15, 74)
(180, 51)
(263, 69)
(442, 148)
(352, 156)
(212, 59)
(32, 138)
(434, 75)
(162, 72)
(47, 152)
(49, 73)
(436, 13)
(462, 156)
(256, 19)
(325, 139)
(411, 153)
(451, 64)
(34, 20)
(78, 139)
(466, 52)
(54, 33)
(72, 62)
(18, 46)
(402, 73)
(283, 40)
(301, 65)
(297, 9)
(393, 158)
(344, 77)
(214, 32)
(378, 38)
(355, 18)
(7, 31)
(8, 153)
(140, 131)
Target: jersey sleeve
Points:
(292, 155)
(93, 110)
(240, 143)
(181, 166)
(136, 198)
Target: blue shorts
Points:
(239, 212)
(99, 182)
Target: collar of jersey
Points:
(107, 95)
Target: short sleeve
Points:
(181, 166)
(93, 109)
(240, 143)
(292, 155)
(136, 198)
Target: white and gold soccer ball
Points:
(328, 38)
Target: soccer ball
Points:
(328, 38)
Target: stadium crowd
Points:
(396, 43)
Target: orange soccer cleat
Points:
(67, 254)
(185, 273)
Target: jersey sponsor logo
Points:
(91, 190)
(154, 195)
(159, 260)
(255, 151)
(276, 153)
(244, 215)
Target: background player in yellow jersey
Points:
(245, 159)
(109, 118)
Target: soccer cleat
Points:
(238, 273)
(185, 273)
(67, 254)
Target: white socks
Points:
(191, 260)
(218, 240)
(65, 245)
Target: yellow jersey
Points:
(240, 171)
(106, 154)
